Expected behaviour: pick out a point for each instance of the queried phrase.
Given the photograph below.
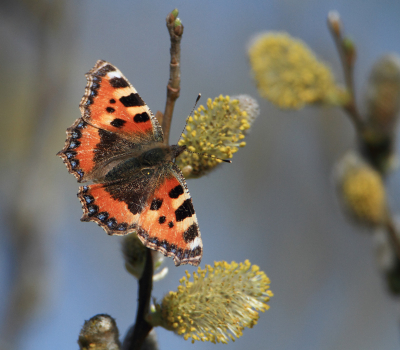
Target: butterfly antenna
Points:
(195, 104)
(202, 154)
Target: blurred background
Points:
(274, 205)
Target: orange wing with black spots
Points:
(158, 208)
(110, 213)
(111, 103)
(88, 150)
(168, 223)
(77, 153)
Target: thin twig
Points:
(134, 340)
(347, 58)
(394, 238)
(175, 29)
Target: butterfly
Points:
(117, 144)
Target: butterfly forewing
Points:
(111, 103)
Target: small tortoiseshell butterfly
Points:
(118, 144)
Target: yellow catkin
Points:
(216, 131)
(288, 74)
(361, 189)
(243, 290)
(364, 193)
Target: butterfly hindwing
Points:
(168, 223)
(117, 205)
(155, 204)
(111, 214)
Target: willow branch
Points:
(347, 56)
(175, 29)
(135, 339)
(393, 236)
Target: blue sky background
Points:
(274, 205)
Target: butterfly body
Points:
(141, 161)
(118, 145)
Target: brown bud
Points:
(99, 333)
(172, 16)
(349, 49)
(174, 13)
(383, 94)
(178, 27)
(335, 23)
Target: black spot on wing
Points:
(122, 227)
(70, 154)
(185, 210)
(196, 252)
(74, 144)
(92, 209)
(118, 83)
(141, 117)
(103, 216)
(154, 241)
(132, 100)
(104, 70)
(76, 134)
(156, 204)
(74, 164)
(112, 101)
(110, 110)
(80, 173)
(118, 123)
(162, 219)
(88, 198)
(170, 224)
(176, 192)
(191, 233)
(111, 223)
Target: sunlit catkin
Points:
(288, 73)
(218, 304)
